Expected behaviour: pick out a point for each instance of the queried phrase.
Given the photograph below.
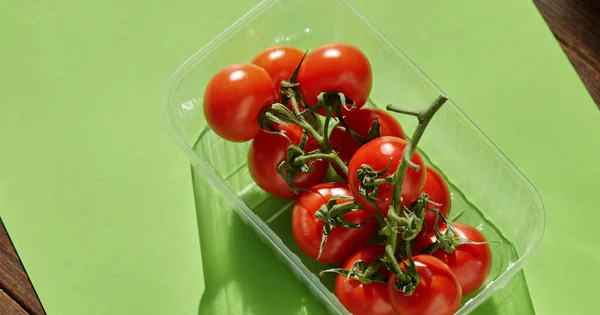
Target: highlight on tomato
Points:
(234, 98)
(336, 68)
(279, 61)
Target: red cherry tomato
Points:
(364, 299)
(438, 292)
(234, 98)
(360, 122)
(378, 154)
(268, 150)
(336, 67)
(439, 193)
(471, 263)
(308, 229)
(280, 62)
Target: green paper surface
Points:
(99, 201)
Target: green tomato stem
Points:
(380, 219)
(331, 156)
(323, 139)
(326, 143)
(302, 122)
(424, 116)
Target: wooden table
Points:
(575, 23)
(16, 293)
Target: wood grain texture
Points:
(9, 306)
(14, 283)
(575, 24)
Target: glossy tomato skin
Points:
(267, 151)
(360, 121)
(308, 229)
(377, 154)
(280, 62)
(438, 292)
(336, 67)
(364, 299)
(470, 263)
(234, 98)
(439, 193)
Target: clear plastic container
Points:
(488, 191)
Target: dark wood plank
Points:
(9, 306)
(14, 283)
(576, 26)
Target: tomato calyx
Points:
(408, 223)
(373, 133)
(290, 88)
(295, 163)
(297, 160)
(275, 114)
(448, 241)
(333, 102)
(408, 280)
(370, 181)
(332, 214)
(361, 271)
(279, 114)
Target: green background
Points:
(98, 200)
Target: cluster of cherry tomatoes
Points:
(355, 220)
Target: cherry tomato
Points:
(280, 62)
(364, 299)
(234, 98)
(438, 292)
(360, 122)
(378, 153)
(335, 67)
(471, 263)
(268, 150)
(439, 193)
(308, 229)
